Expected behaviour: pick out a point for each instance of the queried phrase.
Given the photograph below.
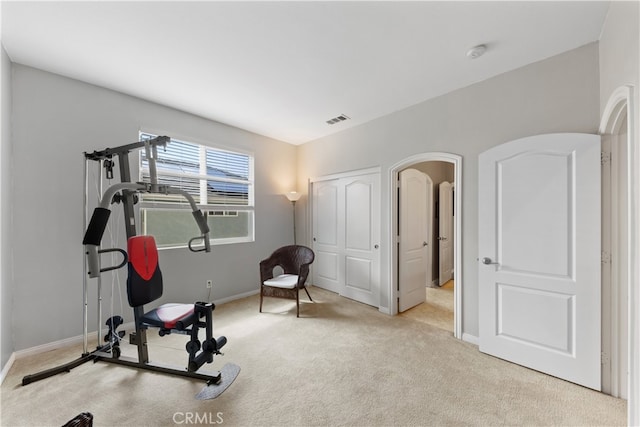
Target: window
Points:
(221, 183)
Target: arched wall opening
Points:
(456, 160)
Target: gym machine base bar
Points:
(101, 354)
(67, 367)
(210, 378)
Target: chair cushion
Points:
(287, 281)
(167, 315)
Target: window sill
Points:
(216, 242)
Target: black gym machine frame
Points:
(126, 193)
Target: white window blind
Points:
(213, 177)
(220, 181)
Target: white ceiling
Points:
(282, 69)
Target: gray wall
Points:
(559, 94)
(56, 119)
(619, 49)
(6, 287)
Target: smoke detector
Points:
(476, 51)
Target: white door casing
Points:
(346, 235)
(445, 233)
(392, 206)
(615, 236)
(539, 253)
(619, 122)
(607, 184)
(414, 254)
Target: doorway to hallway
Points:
(437, 310)
(448, 235)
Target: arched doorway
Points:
(616, 128)
(456, 160)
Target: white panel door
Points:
(539, 252)
(327, 272)
(346, 236)
(445, 233)
(361, 239)
(414, 262)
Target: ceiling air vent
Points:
(338, 119)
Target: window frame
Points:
(149, 206)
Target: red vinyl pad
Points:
(143, 255)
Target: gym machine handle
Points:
(201, 220)
(125, 258)
(205, 239)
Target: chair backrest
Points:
(144, 283)
(294, 259)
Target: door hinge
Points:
(605, 257)
(604, 358)
(605, 157)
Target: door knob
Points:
(424, 243)
(488, 261)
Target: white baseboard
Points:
(55, 345)
(92, 335)
(471, 339)
(67, 342)
(235, 297)
(7, 367)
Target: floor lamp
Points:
(293, 197)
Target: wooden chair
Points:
(294, 261)
(84, 419)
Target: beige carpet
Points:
(437, 310)
(341, 363)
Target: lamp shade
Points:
(293, 196)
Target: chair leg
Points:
(297, 302)
(305, 289)
(260, 298)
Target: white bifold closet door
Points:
(346, 235)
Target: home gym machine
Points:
(144, 282)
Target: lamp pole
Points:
(293, 197)
(293, 203)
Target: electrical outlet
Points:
(209, 284)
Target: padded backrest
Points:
(144, 283)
